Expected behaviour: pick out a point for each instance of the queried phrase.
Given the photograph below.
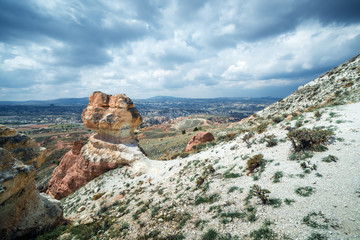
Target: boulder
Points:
(23, 210)
(200, 137)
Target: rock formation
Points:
(200, 137)
(23, 210)
(114, 118)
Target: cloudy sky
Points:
(184, 48)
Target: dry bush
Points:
(309, 139)
(254, 162)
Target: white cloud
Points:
(19, 62)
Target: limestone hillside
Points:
(291, 172)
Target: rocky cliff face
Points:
(23, 210)
(114, 118)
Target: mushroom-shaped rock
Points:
(113, 117)
(200, 137)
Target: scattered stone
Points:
(80, 209)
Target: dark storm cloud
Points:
(84, 40)
(343, 12)
(144, 45)
(256, 20)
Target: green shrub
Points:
(173, 237)
(277, 176)
(275, 202)
(231, 175)
(201, 146)
(207, 199)
(330, 158)
(262, 194)
(271, 142)
(316, 220)
(87, 231)
(228, 137)
(211, 234)
(317, 236)
(309, 139)
(265, 232)
(254, 162)
(229, 216)
(289, 201)
(234, 188)
(317, 114)
(53, 234)
(305, 191)
(277, 119)
(298, 123)
(302, 155)
(261, 128)
(181, 155)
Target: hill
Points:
(292, 171)
(57, 102)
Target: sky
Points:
(183, 48)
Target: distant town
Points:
(154, 111)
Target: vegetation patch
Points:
(262, 194)
(254, 162)
(234, 188)
(275, 202)
(211, 234)
(305, 191)
(302, 155)
(229, 216)
(330, 158)
(309, 139)
(228, 137)
(317, 236)
(264, 232)
(317, 220)
(207, 199)
(231, 175)
(181, 155)
(277, 176)
(261, 128)
(289, 201)
(200, 223)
